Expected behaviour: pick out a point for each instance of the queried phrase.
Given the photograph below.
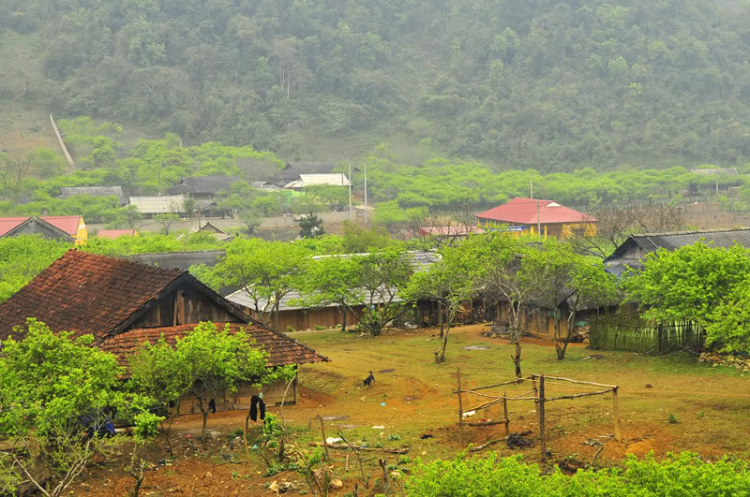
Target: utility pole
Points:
(717, 181)
(350, 192)
(538, 220)
(531, 186)
(366, 194)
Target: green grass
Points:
(651, 389)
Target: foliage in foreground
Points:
(58, 392)
(680, 474)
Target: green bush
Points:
(679, 474)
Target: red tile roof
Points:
(524, 211)
(112, 234)
(86, 293)
(282, 349)
(68, 224)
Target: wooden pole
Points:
(616, 401)
(325, 444)
(460, 409)
(505, 413)
(543, 441)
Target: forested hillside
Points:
(546, 84)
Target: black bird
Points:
(369, 380)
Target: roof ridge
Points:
(688, 232)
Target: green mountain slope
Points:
(547, 84)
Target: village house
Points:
(123, 304)
(151, 206)
(306, 180)
(294, 314)
(94, 191)
(64, 228)
(632, 252)
(293, 170)
(204, 187)
(535, 216)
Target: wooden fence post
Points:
(543, 441)
(460, 409)
(325, 444)
(616, 401)
(505, 412)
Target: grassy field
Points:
(669, 403)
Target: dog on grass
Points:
(367, 381)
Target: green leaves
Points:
(679, 474)
(687, 284)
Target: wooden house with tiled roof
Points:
(124, 304)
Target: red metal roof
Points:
(68, 224)
(282, 350)
(112, 234)
(8, 223)
(524, 211)
(86, 293)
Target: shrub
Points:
(679, 474)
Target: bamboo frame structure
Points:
(540, 384)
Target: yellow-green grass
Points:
(709, 407)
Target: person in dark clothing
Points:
(367, 381)
(212, 406)
(257, 404)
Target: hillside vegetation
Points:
(518, 83)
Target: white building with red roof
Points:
(537, 216)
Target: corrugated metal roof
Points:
(332, 179)
(94, 191)
(159, 205)
(420, 260)
(676, 239)
(293, 169)
(204, 184)
(530, 211)
(183, 261)
(113, 234)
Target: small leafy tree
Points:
(265, 271)
(167, 220)
(448, 282)
(157, 371)
(567, 278)
(385, 276)
(335, 280)
(146, 426)
(688, 284)
(217, 361)
(57, 393)
(730, 321)
(505, 275)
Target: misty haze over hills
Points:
(552, 85)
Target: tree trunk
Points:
(276, 314)
(445, 341)
(205, 423)
(343, 319)
(517, 358)
(441, 321)
(571, 326)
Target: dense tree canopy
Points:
(528, 83)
